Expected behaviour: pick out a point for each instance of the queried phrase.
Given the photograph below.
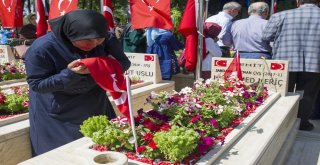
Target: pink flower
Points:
(25, 104)
(195, 118)
(214, 123)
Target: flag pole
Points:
(133, 127)
(271, 7)
(101, 6)
(207, 6)
(200, 40)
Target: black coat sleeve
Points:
(114, 48)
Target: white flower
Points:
(186, 90)
(131, 140)
(219, 110)
(126, 131)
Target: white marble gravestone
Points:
(273, 73)
(145, 66)
(6, 54)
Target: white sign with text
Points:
(273, 73)
(145, 66)
(6, 54)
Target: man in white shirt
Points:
(247, 33)
(224, 19)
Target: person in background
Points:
(224, 19)
(247, 33)
(28, 31)
(62, 92)
(118, 30)
(134, 40)
(211, 32)
(163, 43)
(296, 37)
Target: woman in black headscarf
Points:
(62, 92)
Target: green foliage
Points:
(94, 124)
(177, 143)
(15, 102)
(113, 137)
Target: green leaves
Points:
(94, 124)
(177, 143)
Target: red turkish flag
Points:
(277, 66)
(107, 73)
(61, 7)
(188, 28)
(234, 69)
(11, 13)
(108, 14)
(148, 58)
(220, 63)
(150, 13)
(42, 24)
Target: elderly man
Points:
(224, 19)
(296, 36)
(247, 33)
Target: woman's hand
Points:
(77, 67)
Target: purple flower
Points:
(155, 114)
(13, 70)
(206, 140)
(214, 123)
(246, 95)
(253, 94)
(248, 104)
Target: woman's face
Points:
(88, 44)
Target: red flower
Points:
(195, 118)
(148, 137)
(2, 98)
(236, 122)
(165, 126)
(153, 145)
(226, 131)
(141, 149)
(153, 127)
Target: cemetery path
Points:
(306, 147)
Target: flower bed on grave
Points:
(182, 126)
(12, 71)
(13, 101)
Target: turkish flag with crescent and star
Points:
(277, 66)
(11, 13)
(234, 69)
(107, 73)
(61, 7)
(42, 24)
(188, 28)
(150, 13)
(108, 14)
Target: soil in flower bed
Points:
(8, 115)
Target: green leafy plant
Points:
(14, 100)
(177, 143)
(94, 124)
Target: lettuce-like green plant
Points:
(94, 124)
(177, 143)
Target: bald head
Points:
(259, 8)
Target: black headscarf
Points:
(79, 25)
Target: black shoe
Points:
(306, 126)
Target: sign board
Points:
(273, 73)
(145, 66)
(6, 54)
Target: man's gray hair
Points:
(258, 8)
(232, 5)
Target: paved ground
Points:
(306, 148)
